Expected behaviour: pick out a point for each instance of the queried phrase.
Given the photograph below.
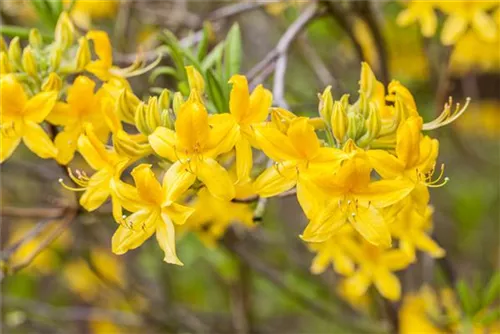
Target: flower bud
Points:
(64, 32)
(339, 121)
(195, 80)
(4, 63)
(35, 39)
(373, 126)
(3, 45)
(126, 146)
(14, 52)
(152, 114)
(140, 120)
(52, 83)
(126, 106)
(82, 54)
(326, 104)
(55, 59)
(164, 100)
(29, 62)
(355, 126)
(178, 101)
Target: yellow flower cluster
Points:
(361, 170)
(473, 27)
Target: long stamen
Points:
(79, 179)
(61, 181)
(446, 117)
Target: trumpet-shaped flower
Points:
(83, 106)
(332, 200)
(193, 147)
(376, 266)
(247, 109)
(421, 11)
(463, 14)
(20, 119)
(297, 152)
(153, 210)
(107, 163)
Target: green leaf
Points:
(203, 46)
(21, 32)
(489, 318)
(214, 57)
(468, 300)
(215, 92)
(44, 12)
(56, 8)
(232, 52)
(164, 70)
(175, 52)
(492, 291)
(192, 60)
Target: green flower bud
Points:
(127, 105)
(64, 32)
(326, 104)
(339, 121)
(178, 101)
(4, 63)
(29, 62)
(355, 125)
(53, 82)
(3, 45)
(35, 39)
(14, 52)
(82, 54)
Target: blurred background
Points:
(258, 280)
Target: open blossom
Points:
(193, 147)
(21, 117)
(154, 210)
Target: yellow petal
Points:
(93, 154)
(39, 106)
(147, 185)
(102, 46)
(127, 196)
(275, 180)
(100, 69)
(13, 97)
(239, 98)
(275, 144)
(81, 93)
(162, 141)
(381, 194)
(243, 160)
(408, 141)
(357, 284)
(395, 260)
(387, 165)
(38, 141)
(371, 225)
(66, 142)
(429, 149)
(141, 225)
(177, 181)
(178, 213)
(261, 100)
(324, 224)
(97, 191)
(425, 243)
(61, 114)
(485, 26)
(387, 284)
(7, 146)
(223, 135)
(191, 124)
(165, 234)
(405, 18)
(303, 138)
(453, 27)
(215, 178)
(428, 21)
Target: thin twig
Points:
(255, 198)
(8, 211)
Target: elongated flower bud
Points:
(126, 106)
(82, 54)
(373, 126)
(55, 59)
(64, 32)
(3, 45)
(339, 121)
(164, 100)
(195, 80)
(15, 52)
(4, 63)
(52, 83)
(35, 39)
(29, 62)
(178, 101)
(326, 104)
(355, 126)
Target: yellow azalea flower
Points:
(462, 14)
(198, 139)
(153, 210)
(376, 266)
(414, 317)
(103, 67)
(411, 228)
(20, 118)
(210, 224)
(482, 120)
(85, 10)
(83, 106)
(247, 109)
(471, 53)
(332, 200)
(107, 163)
(333, 251)
(297, 152)
(421, 11)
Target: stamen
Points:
(68, 187)
(81, 179)
(447, 117)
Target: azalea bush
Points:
(284, 194)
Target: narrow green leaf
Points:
(203, 45)
(213, 57)
(490, 317)
(21, 32)
(164, 70)
(232, 52)
(466, 298)
(175, 52)
(492, 291)
(56, 8)
(43, 12)
(192, 60)
(215, 92)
